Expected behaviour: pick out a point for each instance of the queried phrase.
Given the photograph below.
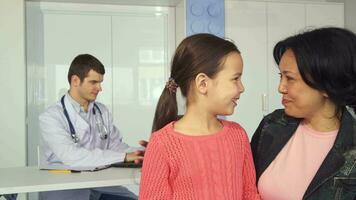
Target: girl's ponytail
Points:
(167, 109)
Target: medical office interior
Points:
(135, 41)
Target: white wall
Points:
(350, 15)
(12, 84)
(256, 26)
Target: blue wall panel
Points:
(205, 16)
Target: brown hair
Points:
(82, 64)
(200, 53)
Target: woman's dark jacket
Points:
(336, 177)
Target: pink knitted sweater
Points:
(216, 167)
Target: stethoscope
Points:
(101, 127)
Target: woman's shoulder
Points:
(280, 117)
(276, 114)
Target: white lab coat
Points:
(58, 147)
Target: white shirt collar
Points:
(77, 107)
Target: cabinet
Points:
(133, 42)
(246, 26)
(256, 27)
(142, 46)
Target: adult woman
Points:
(308, 150)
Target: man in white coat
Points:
(79, 132)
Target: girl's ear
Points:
(201, 83)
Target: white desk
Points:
(31, 179)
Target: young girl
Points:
(200, 156)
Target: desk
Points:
(31, 179)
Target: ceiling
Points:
(120, 2)
(170, 3)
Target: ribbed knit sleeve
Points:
(155, 171)
(249, 173)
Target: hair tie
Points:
(171, 85)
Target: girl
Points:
(200, 156)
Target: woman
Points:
(308, 150)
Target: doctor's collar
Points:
(77, 107)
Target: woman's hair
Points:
(200, 53)
(326, 60)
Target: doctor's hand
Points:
(140, 153)
(143, 143)
(135, 157)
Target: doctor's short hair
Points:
(82, 64)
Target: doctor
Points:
(79, 132)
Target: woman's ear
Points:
(325, 95)
(201, 83)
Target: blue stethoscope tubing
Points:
(73, 134)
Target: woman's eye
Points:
(289, 78)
